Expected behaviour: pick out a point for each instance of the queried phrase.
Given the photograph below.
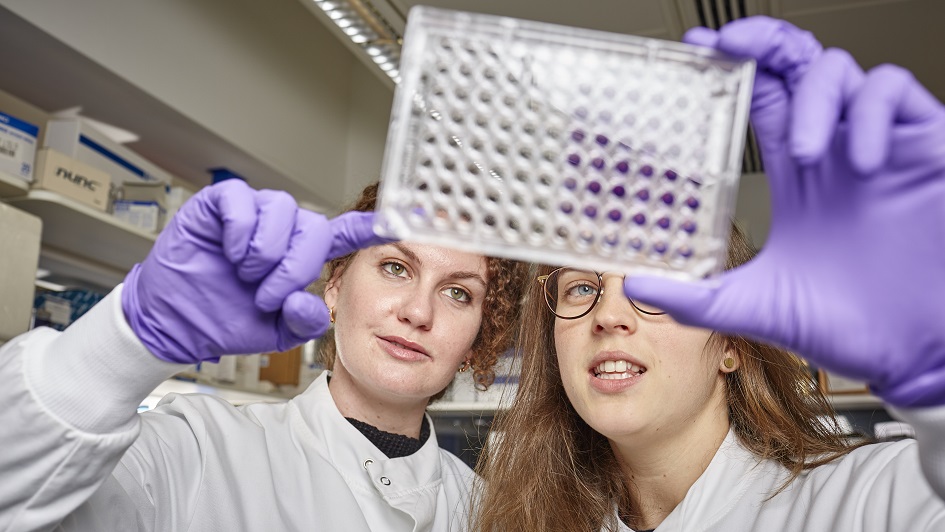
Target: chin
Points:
(413, 384)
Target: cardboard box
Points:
(81, 141)
(74, 179)
(17, 147)
(281, 368)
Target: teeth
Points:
(618, 369)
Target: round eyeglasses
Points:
(571, 293)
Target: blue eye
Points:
(582, 290)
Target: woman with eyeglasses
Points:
(647, 404)
(355, 451)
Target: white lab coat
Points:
(875, 488)
(195, 462)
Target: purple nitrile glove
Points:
(852, 276)
(228, 274)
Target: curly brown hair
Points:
(506, 283)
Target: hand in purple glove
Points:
(228, 274)
(853, 272)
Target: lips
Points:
(406, 344)
(614, 372)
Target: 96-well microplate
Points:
(559, 145)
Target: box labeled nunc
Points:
(74, 179)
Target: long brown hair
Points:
(546, 469)
(506, 280)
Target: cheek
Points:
(684, 355)
(564, 350)
(459, 334)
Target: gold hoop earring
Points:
(729, 362)
(465, 366)
(331, 314)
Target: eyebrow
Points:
(454, 275)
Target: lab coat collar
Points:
(356, 457)
(721, 486)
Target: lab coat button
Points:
(385, 481)
(367, 463)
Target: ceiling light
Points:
(367, 30)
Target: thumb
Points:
(304, 317)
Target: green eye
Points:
(458, 294)
(395, 268)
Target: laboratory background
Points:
(114, 112)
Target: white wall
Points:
(369, 120)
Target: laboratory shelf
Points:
(81, 231)
(12, 186)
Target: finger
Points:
(352, 231)
(685, 302)
(779, 48)
(304, 317)
(729, 304)
(236, 210)
(275, 221)
(889, 95)
(302, 262)
(700, 36)
(819, 101)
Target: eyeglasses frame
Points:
(543, 280)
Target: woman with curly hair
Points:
(354, 451)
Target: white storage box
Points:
(145, 215)
(19, 255)
(17, 147)
(79, 140)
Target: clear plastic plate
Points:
(566, 146)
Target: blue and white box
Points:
(78, 139)
(17, 147)
(145, 215)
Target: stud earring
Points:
(331, 314)
(729, 362)
(465, 366)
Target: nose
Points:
(416, 308)
(614, 313)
